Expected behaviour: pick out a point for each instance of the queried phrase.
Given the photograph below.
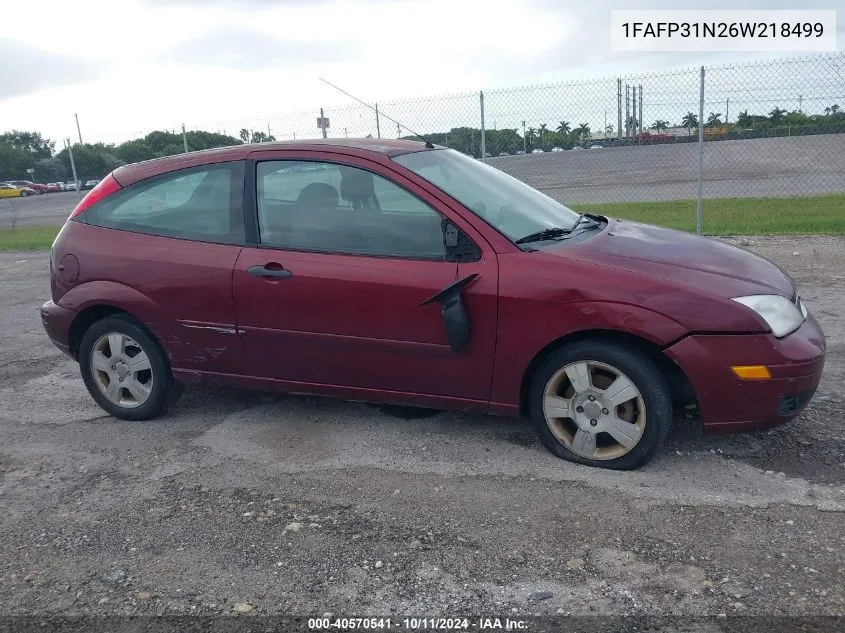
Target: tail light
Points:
(103, 189)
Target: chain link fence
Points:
(685, 139)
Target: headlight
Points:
(779, 313)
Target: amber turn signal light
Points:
(752, 372)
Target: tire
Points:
(24, 194)
(132, 388)
(608, 431)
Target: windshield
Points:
(508, 204)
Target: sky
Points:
(127, 67)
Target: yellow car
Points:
(10, 191)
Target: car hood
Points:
(707, 264)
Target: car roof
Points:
(127, 174)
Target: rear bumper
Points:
(56, 321)
(729, 404)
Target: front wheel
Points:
(24, 194)
(125, 370)
(601, 404)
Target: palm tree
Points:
(776, 116)
(530, 135)
(714, 119)
(660, 124)
(543, 130)
(827, 111)
(609, 129)
(743, 119)
(564, 127)
(834, 109)
(583, 130)
(244, 134)
(689, 121)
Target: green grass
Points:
(25, 238)
(810, 215)
(805, 215)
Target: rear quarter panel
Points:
(181, 290)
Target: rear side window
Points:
(200, 203)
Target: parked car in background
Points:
(411, 274)
(8, 190)
(557, 149)
(52, 187)
(90, 184)
(596, 146)
(72, 186)
(28, 184)
(536, 151)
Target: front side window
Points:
(201, 203)
(508, 204)
(327, 207)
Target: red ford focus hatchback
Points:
(398, 272)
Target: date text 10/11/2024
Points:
(416, 624)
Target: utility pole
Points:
(268, 132)
(76, 116)
(323, 123)
(378, 126)
(800, 101)
(345, 133)
(627, 111)
(619, 108)
(73, 167)
(524, 140)
(727, 110)
(184, 139)
(641, 108)
(634, 111)
(604, 131)
(398, 130)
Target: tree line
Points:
(23, 150)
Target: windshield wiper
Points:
(545, 234)
(592, 219)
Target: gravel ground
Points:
(773, 167)
(254, 504)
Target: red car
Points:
(35, 186)
(405, 273)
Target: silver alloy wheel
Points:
(594, 409)
(122, 370)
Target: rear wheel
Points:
(24, 194)
(125, 370)
(601, 404)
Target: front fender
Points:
(518, 346)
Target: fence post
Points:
(700, 155)
(378, 126)
(483, 132)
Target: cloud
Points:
(248, 49)
(34, 69)
(242, 4)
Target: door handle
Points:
(263, 271)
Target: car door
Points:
(341, 289)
